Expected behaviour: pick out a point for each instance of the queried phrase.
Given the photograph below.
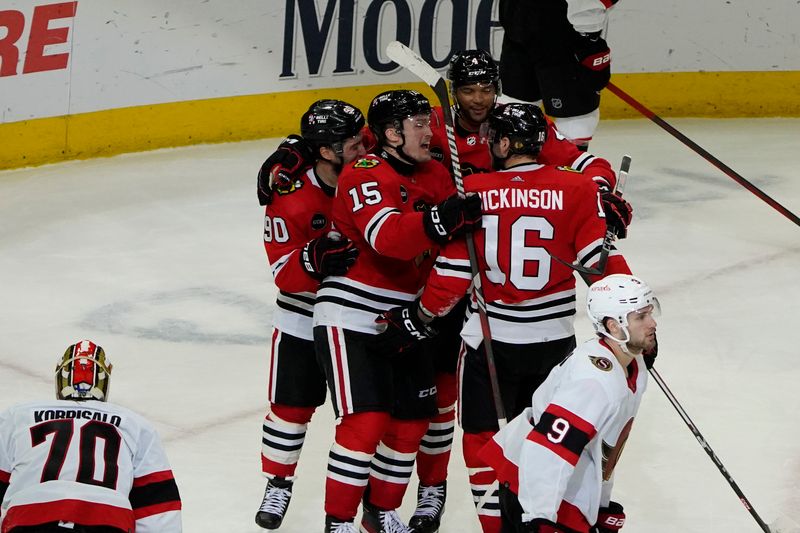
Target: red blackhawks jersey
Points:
(90, 463)
(530, 212)
(474, 152)
(559, 455)
(292, 219)
(380, 210)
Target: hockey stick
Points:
(608, 241)
(409, 60)
(704, 444)
(638, 106)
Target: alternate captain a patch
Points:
(366, 163)
(602, 363)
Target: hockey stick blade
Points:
(409, 60)
(622, 177)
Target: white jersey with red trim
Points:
(380, 210)
(566, 445)
(588, 16)
(530, 213)
(295, 217)
(90, 463)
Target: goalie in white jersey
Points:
(81, 464)
(556, 460)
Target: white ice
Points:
(158, 257)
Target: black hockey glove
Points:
(618, 212)
(401, 328)
(282, 167)
(649, 356)
(325, 256)
(538, 525)
(594, 58)
(610, 519)
(452, 218)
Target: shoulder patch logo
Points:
(568, 169)
(290, 188)
(472, 140)
(602, 363)
(366, 163)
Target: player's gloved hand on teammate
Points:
(594, 57)
(401, 328)
(618, 212)
(539, 525)
(452, 218)
(326, 256)
(282, 167)
(610, 519)
(649, 356)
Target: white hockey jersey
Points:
(559, 455)
(90, 463)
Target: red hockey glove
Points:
(325, 256)
(282, 167)
(618, 212)
(539, 525)
(401, 328)
(610, 519)
(452, 218)
(649, 356)
(594, 58)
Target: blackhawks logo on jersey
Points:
(286, 188)
(602, 363)
(366, 163)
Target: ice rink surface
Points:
(158, 257)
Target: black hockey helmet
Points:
(392, 107)
(473, 66)
(330, 123)
(523, 124)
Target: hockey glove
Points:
(282, 167)
(539, 525)
(618, 212)
(401, 328)
(452, 218)
(594, 59)
(325, 256)
(610, 519)
(649, 356)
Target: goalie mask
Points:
(83, 373)
(615, 296)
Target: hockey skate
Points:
(374, 520)
(334, 525)
(430, 508)
(276, 501)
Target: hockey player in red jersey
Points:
(398, 206)
(556, 460)
(54, 477)
(474, 86)
(530, 212)
(302, 250)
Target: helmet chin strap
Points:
(623, 343)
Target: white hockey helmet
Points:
(615, 296)
(83, 373)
